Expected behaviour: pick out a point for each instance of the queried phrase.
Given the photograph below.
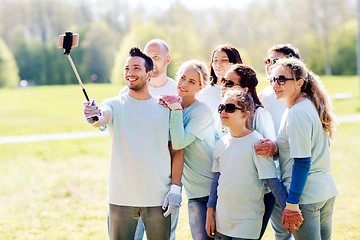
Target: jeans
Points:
(317, 220)
(219, 236)
(269, 201)
(279, 230)
(122, 222)
(197, 208)
(140, 230)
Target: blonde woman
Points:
(303, 147)
(192, 129)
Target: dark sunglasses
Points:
(228, 83)
(268, 61)
(281, 80)
(229, 108)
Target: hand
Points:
(172, 102)
(266, 148)
(172, 200)
(210, 222)
(292, 217)
(92, 111)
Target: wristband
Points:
(175, 189)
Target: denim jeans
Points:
(122, 222)
(317, 220)
(197, 208)
(279, 230)
(140, 230)
(269, 202)
(219, 236)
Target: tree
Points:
(9, 72)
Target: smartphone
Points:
(68, 40)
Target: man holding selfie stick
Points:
(144, 176)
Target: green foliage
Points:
(343, 54)
(9, 72)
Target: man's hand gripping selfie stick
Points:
(66, 42)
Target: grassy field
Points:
(57, 189)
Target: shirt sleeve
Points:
(180, 138)
(299, 130)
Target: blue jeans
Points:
(219, 236)
(317, 220)
(279, 230)
(197, 208)
(122, 222)
(140, 230)
(269, 202)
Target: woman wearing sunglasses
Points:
(192, 129)
(303, 147)
(243, 77)
(241, 185)
(221, 60)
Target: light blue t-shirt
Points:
(240, 205)
(140, 165)
(301, 135)
(197, 174)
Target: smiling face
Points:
(135, 74)
(290, 90)
(220, 63)
(160, 57)
(189, 82)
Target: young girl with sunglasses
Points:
(243, 77)
(303, 147)
(241, 185)
(192, 129)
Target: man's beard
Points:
(138, 87)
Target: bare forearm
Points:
(103, 119)
(177, 166)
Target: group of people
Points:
(243, 158)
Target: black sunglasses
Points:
(268, 61)
(228, 83)
(229, 108)
(281, 80)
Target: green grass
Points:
(57, 189)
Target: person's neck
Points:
(158, 81)
(239, 131)
(187, 101)
(298, 98)
(142, 94)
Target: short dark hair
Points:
(287, 49)
(136, 52)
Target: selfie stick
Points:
(67, 41)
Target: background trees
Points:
(324, 31)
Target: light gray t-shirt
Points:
(301, 135)
(274, 106)
(168, 89)
(140, 165)
(241, 189)
(211, 96)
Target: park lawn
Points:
(57, 189)
(54, 109)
